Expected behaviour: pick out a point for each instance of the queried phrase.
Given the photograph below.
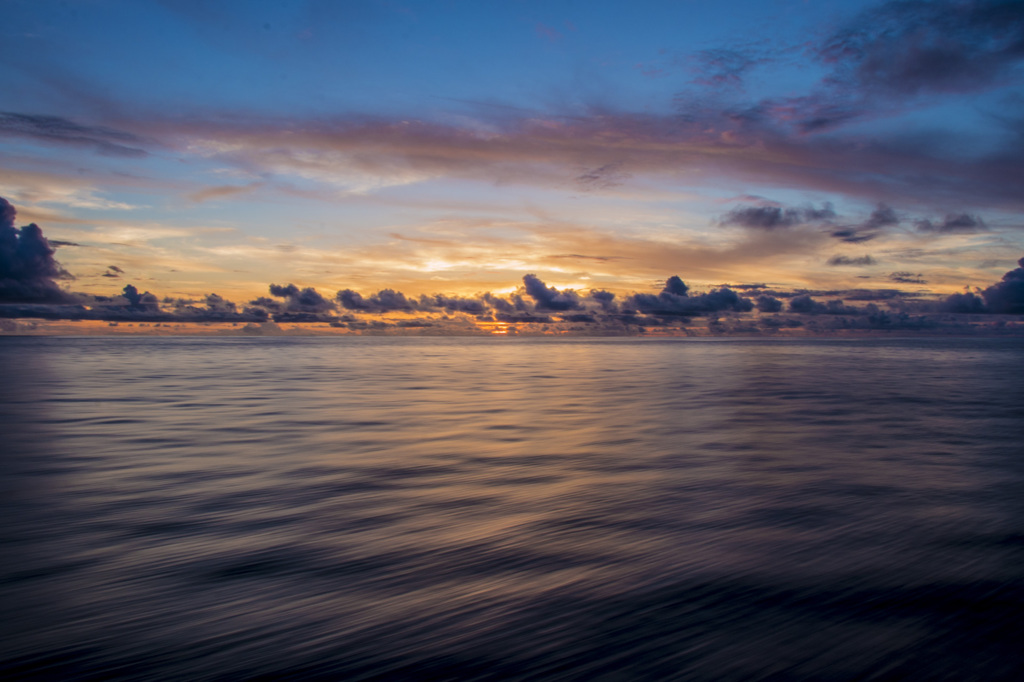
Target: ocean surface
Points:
(511, 509)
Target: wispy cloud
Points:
(58, 130)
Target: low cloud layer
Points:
(29, 290)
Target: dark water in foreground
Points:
(203, 509)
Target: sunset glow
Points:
(850, 151)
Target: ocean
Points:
(380, 508)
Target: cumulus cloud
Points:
(674, 301)
(963, 303)
(299, 305)
(549, 298)
(384, 301)
(768, 304)
(27, 265)
(1007, 296)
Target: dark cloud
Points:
(808, 306)
(960, 223)
(27, 261)
(549, 298)
(906, 47)
(852, 235)
(768, 304)
(873, 294)
(883, 216)
(135, 306)
(605, 299)
(963, 303)
(1007, 296)
(297, 300)
(578, 317)
(774, 217)
(818, 113)
(213, 308)
(523, 317)
(27, 266)
(670, 303)
(56, 129)
(144, 302)
(851, 260)
(674, 285)
(904, 277)
(454, 304)
(384, 301)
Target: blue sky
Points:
(453, 147)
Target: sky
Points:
(510, 166)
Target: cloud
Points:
(904, 277)
(1007, 296)
(27, 258)
(904, 47)
(774, 217)
(768, 304)
(223, 192)
(105, 141)
(549, 298)
(839, 260)
(674, 301)
(454, 304)
(963, 303)
(883, 216)
(360, 155)
(27, 266)
(808, 306)
(144, 302)
(384, 301)
(299, 305)
(958, 223)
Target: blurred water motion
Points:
(203, 509)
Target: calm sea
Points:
(492, 509)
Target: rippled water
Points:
(386, 508)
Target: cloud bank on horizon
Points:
(28, 289)
(771, 154)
